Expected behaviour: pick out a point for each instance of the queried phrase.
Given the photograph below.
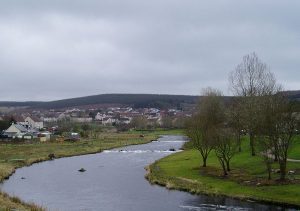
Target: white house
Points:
(63, 116)
(108, 121)
(124, 120)
(99, 117)
(81, 119)
(50, 119)
(34, 122)
(44, 136)
(15, 130)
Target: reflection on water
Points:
(113, 180)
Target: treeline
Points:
(19, 104)
(142, 123)
(260, 110)
(135, 100)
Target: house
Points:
(44, 136)
(15, 130)
(81, 119)
(62, 117)
(50, 119)
(99, 117)
(18, 119)
(73, 137)
(74, 110)
(108, 121)
(33, 122)
(124, 120)
(26, 136)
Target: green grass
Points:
(294, 153)
(14, 156)
(182, 171)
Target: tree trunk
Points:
(228, 165)
(204, 158)
(269, 168)
(275, 152)
(239, 142)
(224, 168)
(252, 144)
(282, 166)
(275, 157)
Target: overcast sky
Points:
(59, 49)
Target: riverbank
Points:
(14, 156)
(246, 181)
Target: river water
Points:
(113, 180)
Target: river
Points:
(113, 180)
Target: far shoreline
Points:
(148, 138)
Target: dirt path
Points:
(289, 160)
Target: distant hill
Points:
(135, 100)
(293, 95)
(19, 104)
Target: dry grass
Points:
(14, 203)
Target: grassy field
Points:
(295, 149)
(14, 156)
(247, 179)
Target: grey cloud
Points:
(66, 48)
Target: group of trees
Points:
(166, 122)
(209, 129)
(258, 109)
(275, 129)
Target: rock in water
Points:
(51, 156)
(82, 170)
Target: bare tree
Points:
(266, 146)
(277, 127)
(199, 137)
(250, 80)
(235, 120)
(252, 77)
(167, 121)
(225, 147)
(285, 130)
(139, 123)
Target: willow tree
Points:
(202, 127)
(225, 146)
(198, 137)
